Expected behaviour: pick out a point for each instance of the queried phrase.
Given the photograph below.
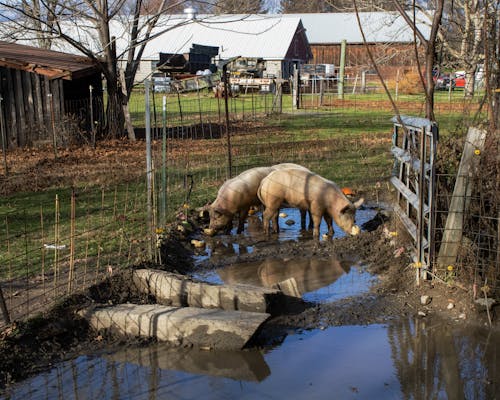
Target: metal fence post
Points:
(149, 177)
(228, 135)
(163, 213)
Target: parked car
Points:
(459, 80)
(443, 82)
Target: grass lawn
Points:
(348, 142)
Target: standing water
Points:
(407, 358)
(404, 358)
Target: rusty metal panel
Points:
(52, 64)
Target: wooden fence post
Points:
(452, 235)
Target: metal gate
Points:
(414, 145)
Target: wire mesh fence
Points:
(66, 240)
(477, 264)
(59, 246)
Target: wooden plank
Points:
(29, 106)
(38, 102)
(411, 197)
(12, 131)
(21, 137)
(452, 235)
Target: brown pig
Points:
(307, 191)
(237, 195)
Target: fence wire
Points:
(57, 248)
(66, 242)
(478, 259)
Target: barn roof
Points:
(378, 27)
(52, 64)
(260, 36)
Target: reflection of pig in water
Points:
(307, 191)
(310, 274)
(237, 195)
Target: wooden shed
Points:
(45, 95)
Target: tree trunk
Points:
(114, 112)
(429, 81)
(126, 111)
(470, 81)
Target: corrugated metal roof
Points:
(378, 27)
(264, 36)
(50, 63)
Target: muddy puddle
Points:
(290, 230)
(317, 279)
(405, 358)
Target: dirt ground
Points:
(27, 348)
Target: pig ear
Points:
(347, 209)
(358, 203)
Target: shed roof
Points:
(52, 64)
(378, 27)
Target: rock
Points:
(485, 302)
(422, 314)
(425, 299)
(208, 231)
(397, 253)
(198, 243)
(290, 222)
(462, 316)
(450, 306)
(283, 215)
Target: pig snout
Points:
(355, 230)
(219, 221)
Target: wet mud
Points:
(356, 309)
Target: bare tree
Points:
(429, 44)
(316, 6)
(239, 6)
(461, 37)
(66, 20)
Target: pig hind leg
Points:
(269, 215)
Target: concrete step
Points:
(180, 290)
(207, 328)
